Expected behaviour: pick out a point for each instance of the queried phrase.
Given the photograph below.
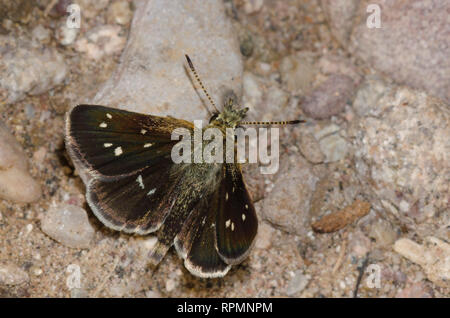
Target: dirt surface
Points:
(283, 263)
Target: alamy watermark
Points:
(74, 278)
(374, 276)
(374, 19)
(74, 19)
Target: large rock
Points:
(152, 76)
(411, 46)
(402, 150)
(25, 70)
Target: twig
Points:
(362, 269)
(341, 254)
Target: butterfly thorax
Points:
(229, 117)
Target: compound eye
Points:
(213, 117)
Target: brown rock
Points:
(340, 219)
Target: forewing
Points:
(236, 221)
(137, 203)
(114, 143)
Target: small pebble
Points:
(264, 237)
(297, 283)
(101, 41)
(298, 72)
(65, 35)
(383, 233)
(37, 271)
(329, 98)
(404, 206)
(30, 111)
(359, 244)
(152, 294)
(39, 155)
(69, 225)
(150, 242)
(119, 12)
(246, 45)
(170, 285)
(11, 274)
(334, 147)
(28, 229)
(78, 293)
(310, 148)
(277, 98)
(16, 184)
(263, 68)
(253, 6)
(41, 34)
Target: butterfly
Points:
(203, 209)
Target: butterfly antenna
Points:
(266, 123)
(191, 66)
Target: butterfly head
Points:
(230, 116)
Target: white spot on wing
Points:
(227, 223)
(103, 125)
(143, 131)
(232, 226)
(243, 217)
(226, 196)
(108, 115)
(246, 206)
(148, 145)
(151, 191)
(107, 144)
(118, 151)
(141, 183)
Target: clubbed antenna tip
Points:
(189, 61)
(191, 66)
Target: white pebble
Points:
(11, 274)
(69, 225)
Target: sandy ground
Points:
(115, 264)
